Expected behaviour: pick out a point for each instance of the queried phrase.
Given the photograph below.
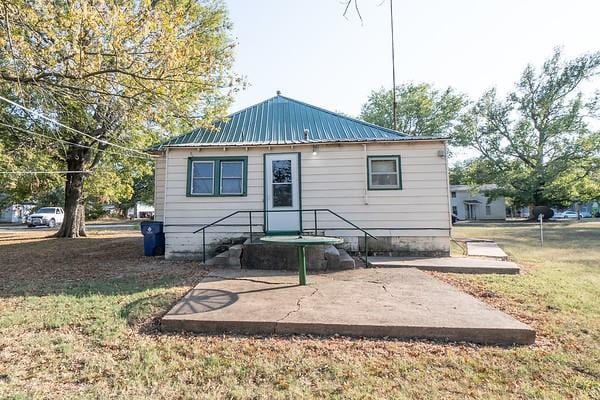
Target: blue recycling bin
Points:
(154, 238)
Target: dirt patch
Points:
(34, 263)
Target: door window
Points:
(282, 183)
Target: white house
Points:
(140, 210)
(15, 213)
(469, 204)
(294, 165)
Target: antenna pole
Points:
(393, 66)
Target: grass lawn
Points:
(77, 320)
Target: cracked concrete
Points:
(389, 302)
(298, 304)
(217, 277)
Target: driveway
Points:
(20, 228)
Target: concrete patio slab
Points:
(460, 265)
(399, 303)
(486, 249)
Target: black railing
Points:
(250, 225)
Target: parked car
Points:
(565, 215)
(585, 214)
(48, 216)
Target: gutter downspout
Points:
(448, 187)
(166, 185)
(366, 175)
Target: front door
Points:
(282, 189)
(470, 211)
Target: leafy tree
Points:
(472, 172)
(421, 110)
(119, 73)
(538, 141)
(16, 154)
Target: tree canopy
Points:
(421, 109)
(120, 74)
(539, 143)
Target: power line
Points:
(393, 66)
(64, 141)
(106, 142)
(43, 172)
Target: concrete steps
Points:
(346, 261)
(259, 256)
(228, 259)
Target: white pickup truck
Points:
(49, 216)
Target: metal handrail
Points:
(250, 225)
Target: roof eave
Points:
(309, 143)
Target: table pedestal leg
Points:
(302, 265)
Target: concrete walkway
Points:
(486, 249)
(400, 303)
(460, 265)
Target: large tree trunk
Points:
(74, 220)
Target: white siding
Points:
(334, 178)
(159, 189)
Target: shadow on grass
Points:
(87, 267)
(147, 310)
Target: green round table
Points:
(301, 242)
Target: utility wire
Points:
(106, 142)
(393, 67)
(65, 141)
(43, 172)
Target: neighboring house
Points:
(475, 205)
(591, 208)
(110, 209)
(283, 155)
(140, 210)
(16, 213)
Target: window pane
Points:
(202, 186)
(231, 186)
(384, 180)
(282, 171)
(203, 169)
(231, 169)
(282, 195)
(383, 166)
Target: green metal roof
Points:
(281, 120)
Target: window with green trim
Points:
(384, 173)
(217, 176)
(232, 177)
(203, 178)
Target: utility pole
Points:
(393, 66)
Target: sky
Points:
(311, 52)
